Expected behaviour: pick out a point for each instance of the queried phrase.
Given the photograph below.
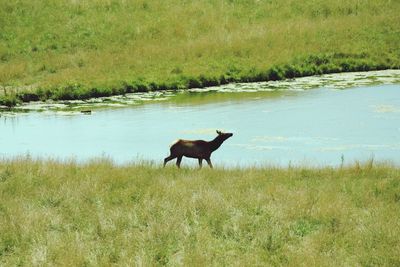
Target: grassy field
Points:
(99, 214)
(72, 49)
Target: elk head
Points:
(224, 135)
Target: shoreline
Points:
(67, 162)
(302, 67)
(333, 80)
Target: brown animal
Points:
(198, 149)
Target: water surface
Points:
(313, 127)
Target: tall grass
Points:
(76, 49)
(69, 214)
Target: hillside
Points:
(71, 49)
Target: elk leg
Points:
(209, 163)
(168, 159)
(200, 163)
(178, 161)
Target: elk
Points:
(198, 149)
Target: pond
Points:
(315, 127)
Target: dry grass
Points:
(70, 214)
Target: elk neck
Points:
(216, 143)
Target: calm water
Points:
(313, 127)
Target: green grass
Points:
(73, 49)
(99, 214)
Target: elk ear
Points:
(219, 132)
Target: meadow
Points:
(99, 214)
(73, 49)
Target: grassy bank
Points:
(78, 49)
(95, 214)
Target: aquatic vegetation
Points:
(98, 213)
(209, 94)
